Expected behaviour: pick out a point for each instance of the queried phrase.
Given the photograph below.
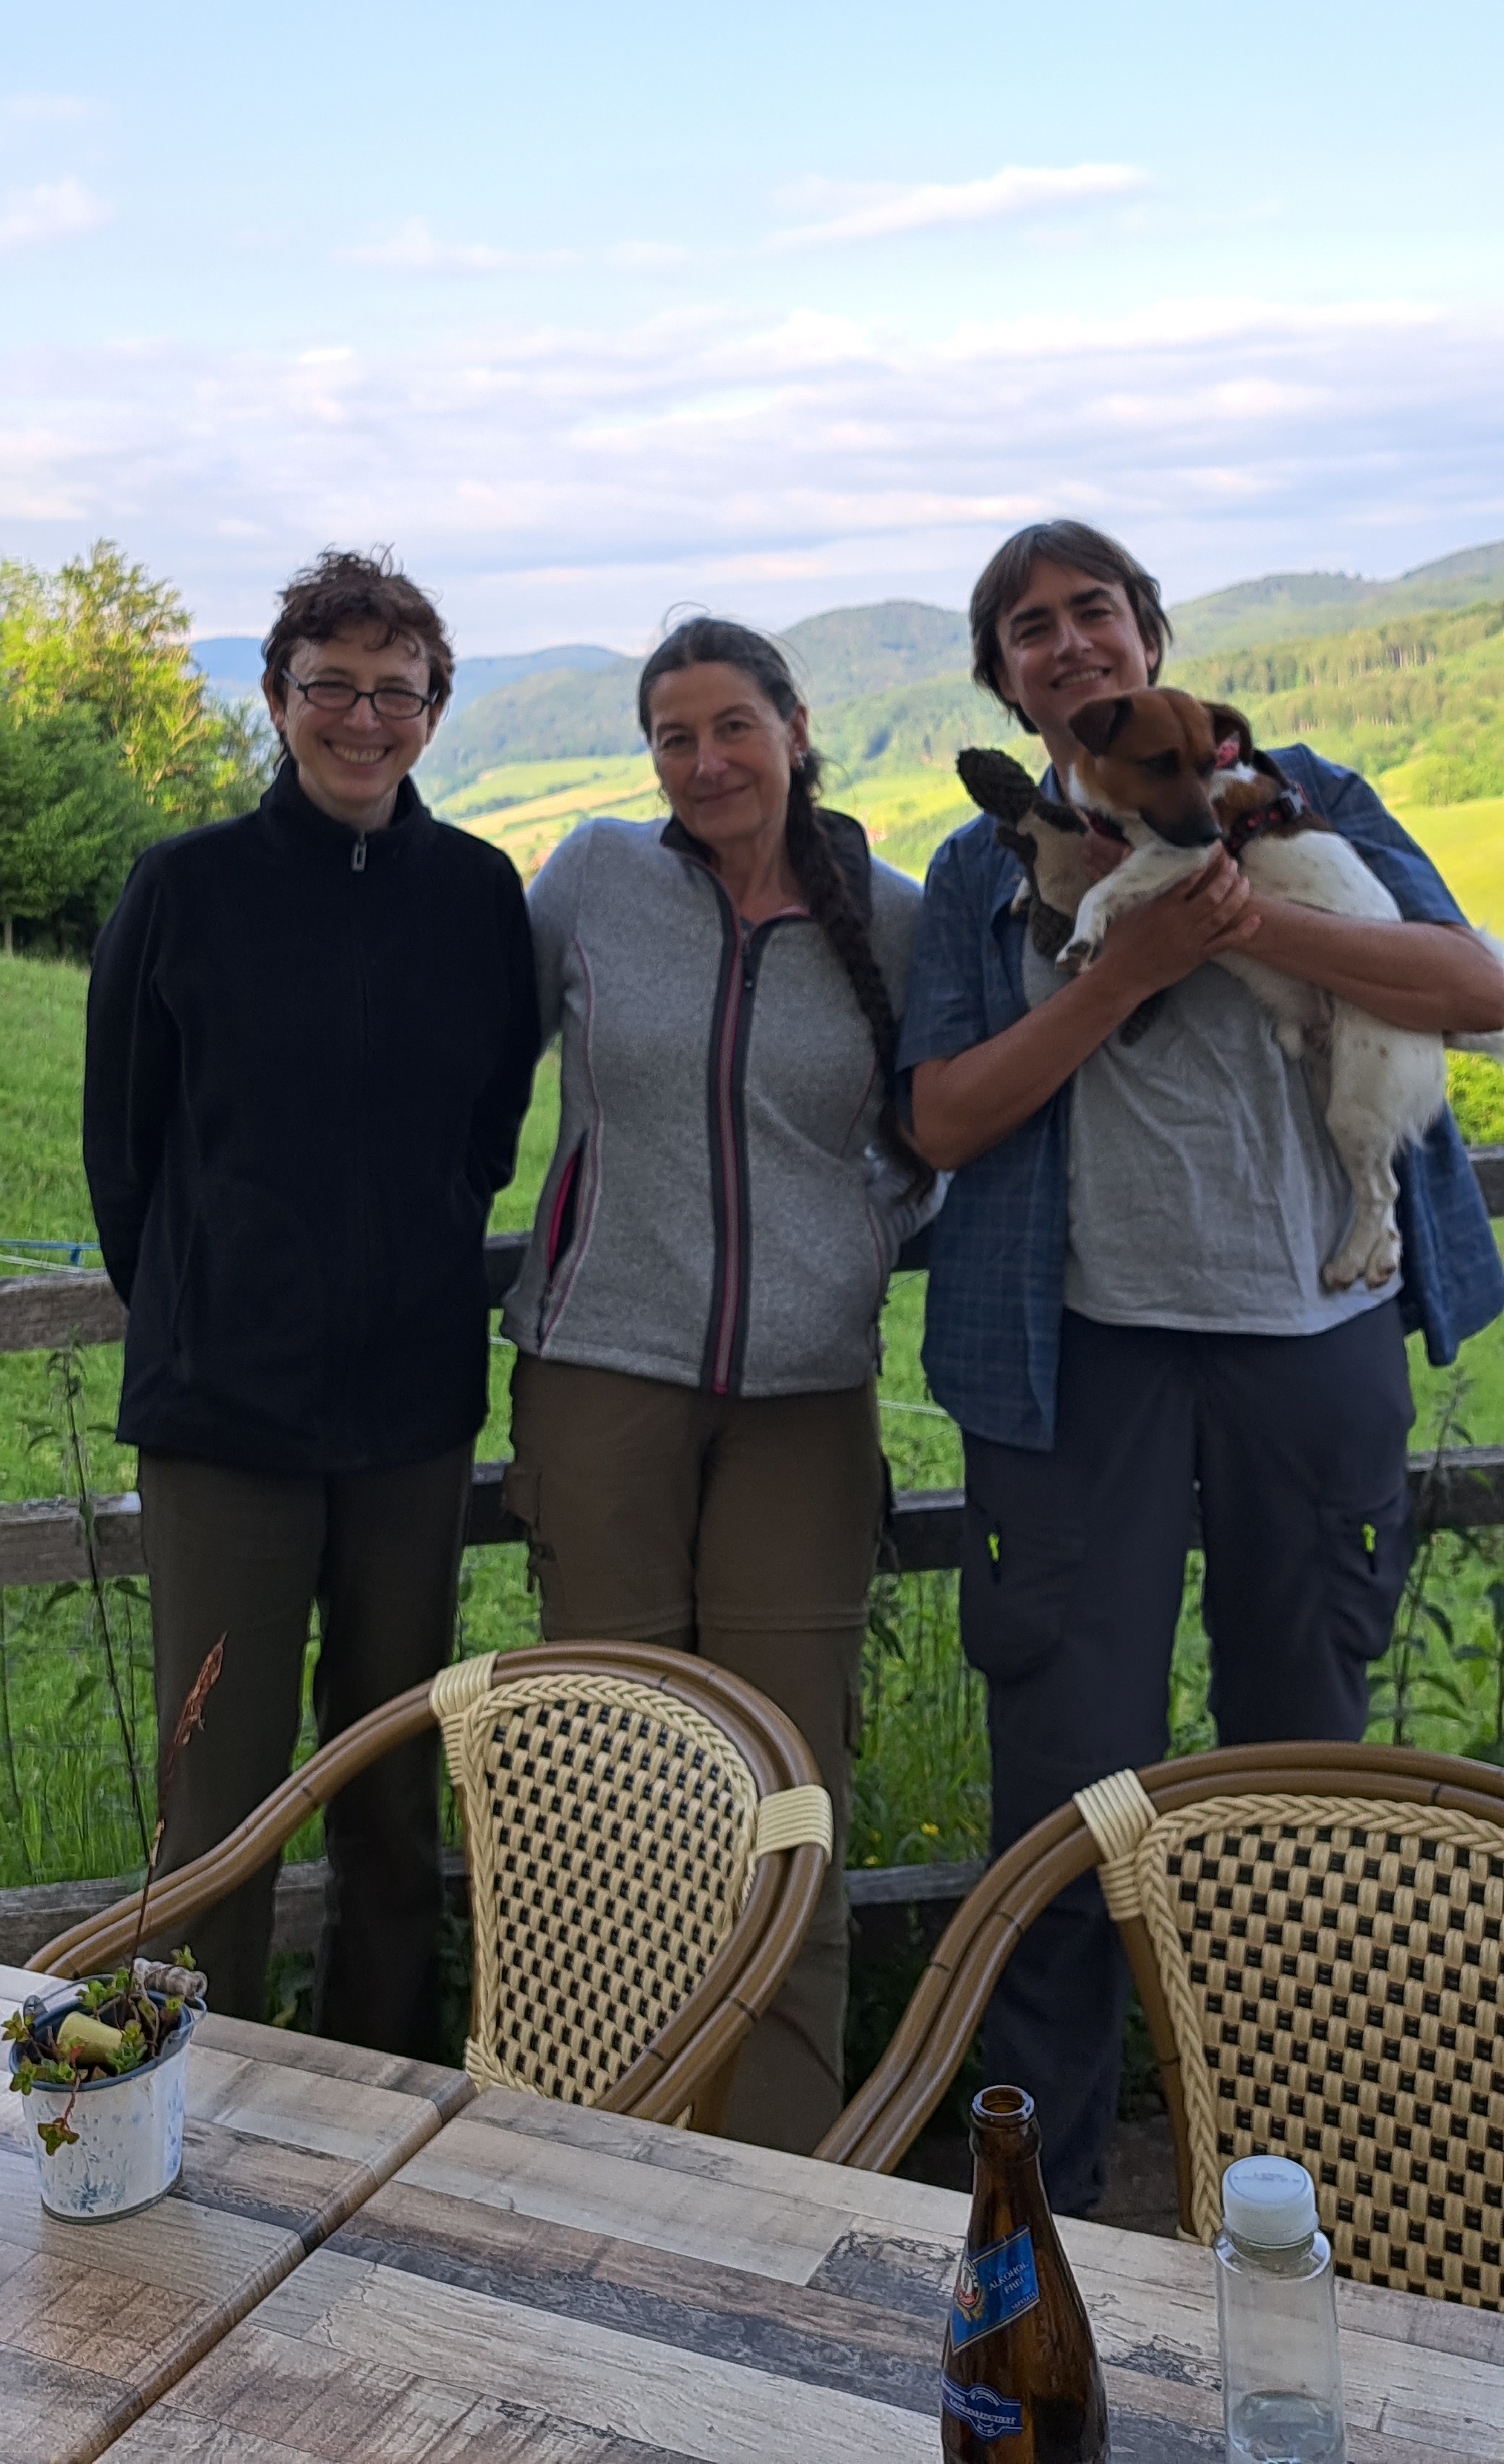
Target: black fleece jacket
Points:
(309, 1054)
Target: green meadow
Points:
(922, 1776)
(1466, 843)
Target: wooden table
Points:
(542, 2283)
(285, 2137)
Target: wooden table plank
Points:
(542, 2282)
(284, 2138)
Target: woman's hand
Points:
(965, 1104)
(1170, 937)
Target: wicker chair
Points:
(646, 1837)
(1315, 1933)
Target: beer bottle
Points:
(1019, 2383)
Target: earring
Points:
(799, 760)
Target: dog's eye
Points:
(1161, 765)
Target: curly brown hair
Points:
(714, 641)
(343, 589)
(1004, 580)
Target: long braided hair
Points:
(712, 641)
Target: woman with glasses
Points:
(311, 1042)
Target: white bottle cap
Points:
(1269, 2201)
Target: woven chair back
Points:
(610, 1832)
(1331, 1971)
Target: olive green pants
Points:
(246, 1554)
(745, 1529)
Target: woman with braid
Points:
(695, 1427)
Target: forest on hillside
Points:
(108, 739)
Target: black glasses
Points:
(388, 701)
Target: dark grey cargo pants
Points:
(1072, 1577)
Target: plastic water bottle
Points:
(1276, 2319)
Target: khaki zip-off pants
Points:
(245, 1555)
(745, 1529)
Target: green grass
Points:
(1464, 842)
(922, 1786)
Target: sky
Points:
(596, 310)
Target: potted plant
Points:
(105, 2064)
(105, 2057)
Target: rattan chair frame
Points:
(687, 2069)
(885, 2117)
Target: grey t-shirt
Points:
(1205, 1191)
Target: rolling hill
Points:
(1285, 604)
(1404, 679)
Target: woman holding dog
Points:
(695, 1427)
(1125, 1298)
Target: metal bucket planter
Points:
(129, 2147)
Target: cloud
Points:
(882, 212)
(564, 482)
(414, 250)
(44, 109)
(56, 209)
(646, 253)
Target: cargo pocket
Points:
(1016, 1585)
(521, 1495)
(1366, 1556)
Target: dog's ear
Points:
(1097, 723)
(1227, 723)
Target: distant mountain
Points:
(1284, 606)
(547, 713)
(854, 651)
(474, 678)
(545, 716)
(887, 684)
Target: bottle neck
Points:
(1005, 2142)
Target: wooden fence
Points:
(41, 1540)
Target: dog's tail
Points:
(1492, 1045)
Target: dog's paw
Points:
(1383, 1260)
(1363, 1254)
(1078, 952)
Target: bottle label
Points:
(989, 2416)
(992, 2287)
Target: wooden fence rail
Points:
(41, 1539)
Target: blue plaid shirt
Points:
(998, 1252)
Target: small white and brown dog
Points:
(1176, 778)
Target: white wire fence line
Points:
(44, 1256)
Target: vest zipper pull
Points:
(358, 854)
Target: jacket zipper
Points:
(362, 1111)
(733, 1029)
(727, 1144)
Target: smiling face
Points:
(1067, 640)
(350, 763)
(722, 754)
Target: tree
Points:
(103, 635)
(72, 819)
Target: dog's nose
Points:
(1192, 826)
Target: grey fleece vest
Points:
(714, 1215)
